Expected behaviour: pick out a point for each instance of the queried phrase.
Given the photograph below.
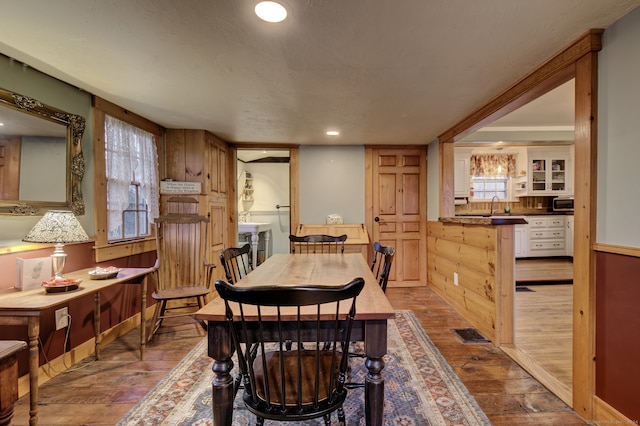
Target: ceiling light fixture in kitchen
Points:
(333, 132)
(271, 11)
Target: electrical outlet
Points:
(62, 318)
(455, 278)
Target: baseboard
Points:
(67, 360)
(604, 413)
(558, 388)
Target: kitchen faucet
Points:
(495, 197)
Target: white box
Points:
(31, 272)
(334, 219)
(173, 187)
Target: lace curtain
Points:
(493, 165)
(131, 156)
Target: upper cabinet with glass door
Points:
(550, 171)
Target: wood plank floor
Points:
(101, 392)
(547, 308)
(543, 270)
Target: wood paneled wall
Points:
(472, 251)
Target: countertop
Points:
(486, 220)
(525, 213)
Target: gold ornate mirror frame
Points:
(75, 167)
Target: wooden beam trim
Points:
(585, 192)
(126, 115)
(260, 145)
(615, 249)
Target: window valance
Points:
(493, 165)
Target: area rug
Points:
(420, 388)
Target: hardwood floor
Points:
(544, 322)
(544, 270)
(101, 392)
(547, 307)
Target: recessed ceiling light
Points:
(271, 11)
(333, 133)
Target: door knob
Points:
(377, 219)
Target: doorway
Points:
(263, 199)
(543, 340)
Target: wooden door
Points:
(397, 194)
(10, 169)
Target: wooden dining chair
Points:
(235, 261)
(182, 204)
(183, 277)
(305, 382)
(381, 263)
(317, 243)
(381, 268)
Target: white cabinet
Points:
(461, 174)
(569, 235)
(549, 171)
(521, 241)
(547, 236)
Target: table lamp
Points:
(59, 227)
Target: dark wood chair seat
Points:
(305, 393)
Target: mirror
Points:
(41, 162)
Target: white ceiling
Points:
(380, 71)
(549, 118)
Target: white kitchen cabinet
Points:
(547, 236)
(549, 172)
(461, 174)
(521, 240)
(569, 235)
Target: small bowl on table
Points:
(104, 273)
(60, 285)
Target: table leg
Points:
(96, 323)
(33, 331)
(220, 349)
(266, 244)
(375, 345)
(254, 246)
(143, 316)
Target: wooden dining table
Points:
(372, 312)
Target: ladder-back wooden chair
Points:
(305, 382)
(317, 243)
(235, 261)
(381, 263)
(183, 275)
(182, 205)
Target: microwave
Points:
(563, 204)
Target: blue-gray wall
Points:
(619, 133)
(29, 82)
(331, 182)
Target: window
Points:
(132, 180)
(490, 174)
(123, 221)
(486, 187)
